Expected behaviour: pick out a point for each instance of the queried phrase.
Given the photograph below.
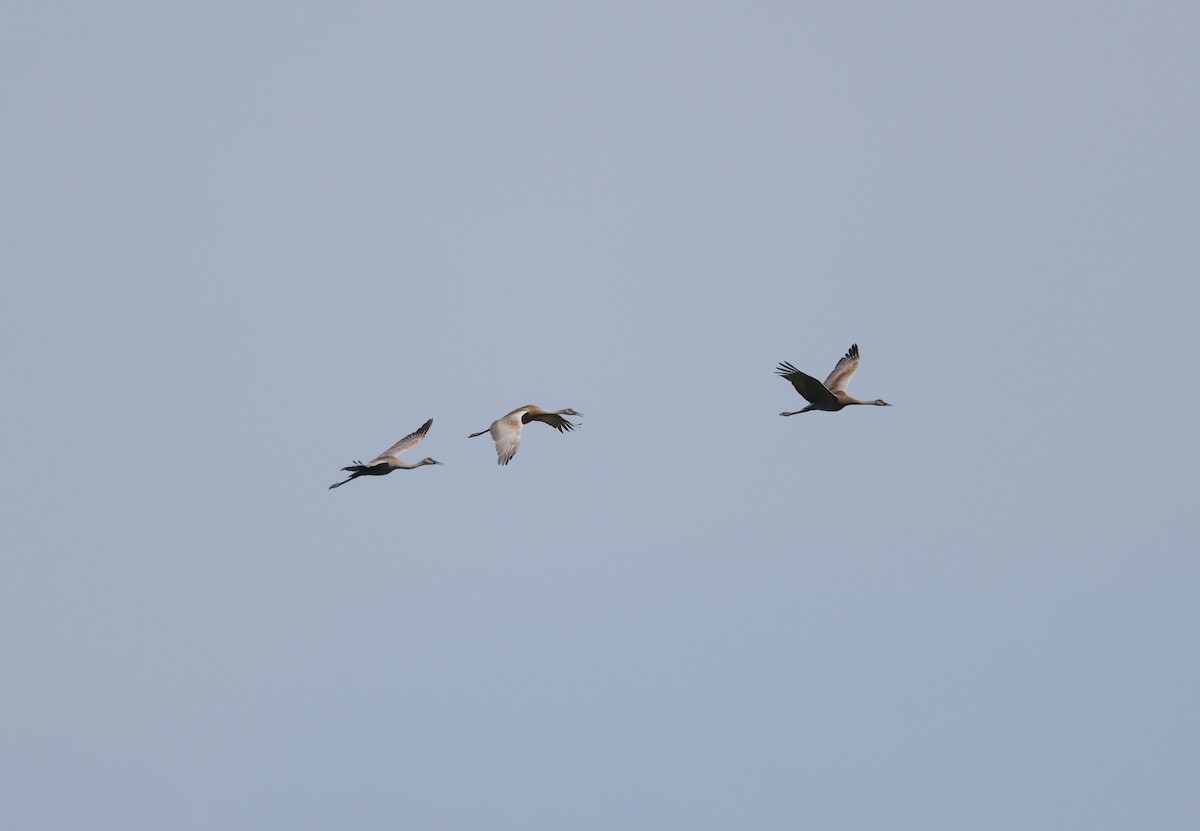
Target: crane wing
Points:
(553, 419)
(813, 390)
(407, 443)
(839, 379)
(506, 432)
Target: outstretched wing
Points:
(839, 379)
(553, 419)
(813, 390)
(506, 432)
(407, 443)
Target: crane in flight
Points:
(506, 430)
(831, 395)
(386, 462)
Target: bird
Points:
(386, 462)
(506, 430)
(831, 395)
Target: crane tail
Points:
(354, 470)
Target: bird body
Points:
(387, 461)
(506, 430)
(830, 396)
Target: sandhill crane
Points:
(386, 462)
(831, 395)
(506, 430)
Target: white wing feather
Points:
(407, 443)
(839, 379)
(506, 432)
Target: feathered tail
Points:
(355, 470)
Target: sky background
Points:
(244, 244)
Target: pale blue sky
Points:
(247, 243)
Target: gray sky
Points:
(245, 244)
